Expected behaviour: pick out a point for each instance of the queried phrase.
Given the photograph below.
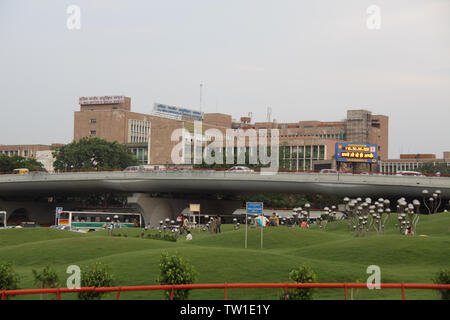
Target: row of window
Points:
(316, 152)
(392, 167)
(24, 153)
(334, 136)
(138, 131)
(296, 164)
(141, 154)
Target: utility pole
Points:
(201, 86)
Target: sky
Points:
(306, 60)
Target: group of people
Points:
(215, 225)
(274, 221)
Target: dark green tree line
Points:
(93, 153)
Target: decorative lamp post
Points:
(437, 200)
(295, 214)
(425, 195)
(308, 210)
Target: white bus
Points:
(92, 221)
(2, 219)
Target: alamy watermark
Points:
(374, 280)
(215, 147)
(74, 19)
(373, 21)
(74, 281)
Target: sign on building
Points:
(194, 207)
(177, 111)
(101, 100)
(356, 152)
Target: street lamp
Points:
(425, 195)
(295, 214)
(308, 208)
(438, 200)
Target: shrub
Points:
(47, 278)
(175, 270)
(97, 276)
(303, 274)
(327, 217)
(9, 279)
(443, 277)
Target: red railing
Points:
(225, 287)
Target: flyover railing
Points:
(227, 286)
(257, 170)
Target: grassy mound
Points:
(335, 255)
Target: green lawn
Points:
(335, 255)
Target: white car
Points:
(134, 168)
(240, 169)
(328, 171)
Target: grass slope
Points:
(335, 255)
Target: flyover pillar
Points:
(157, 209)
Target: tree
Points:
(175, 270)
(8, 164)
(443, 277)
(93, 153)
(9, 279)
(430, 167)
(97, 275)
(47, 278)
(304, 274)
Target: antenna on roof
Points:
(201, 86)
(269, 113)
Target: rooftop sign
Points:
(101, 100)
(176, 111)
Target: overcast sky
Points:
(307, 60)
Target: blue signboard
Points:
(356, 152)
(176, 111)
(254, 207)
(59, 210)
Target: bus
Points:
(92, 221)
(2, 219)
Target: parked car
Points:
(329, 171)
(29, 224)
(409, 173)
(134, 168)
(240, 169)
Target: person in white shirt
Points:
(262, 221)
(189, 236)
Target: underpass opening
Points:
(18, 216)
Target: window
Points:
(315, 152)
(93, 132)
(301, 152)
(321, 152)
(294, 152)
(93, 120)
(308, 152)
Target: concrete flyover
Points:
(140, 184)
(210, 181)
